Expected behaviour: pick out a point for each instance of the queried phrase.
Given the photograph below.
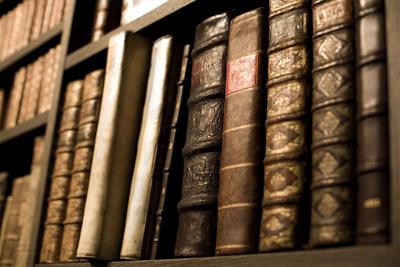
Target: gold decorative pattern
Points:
(286, 98)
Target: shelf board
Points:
(363, 256)
(140, 23)
(42, 40)
(24, 128)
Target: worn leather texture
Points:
(198, 205)
(333, 132)
(372, 124)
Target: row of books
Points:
(32, 89)
(27, 22)
(16, 225)
(262, 158)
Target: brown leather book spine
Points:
(62, 170)
(89, 115)
(198, 205)
(35, 89)
(2, 108)
(48, 65)
(27, 92)
(16, 30)
(286, 125)
(14, 103)
(28, 22)
(106, 18)
(3, 193)
(372, 124)
(56, 14)
(40, 6)
(242, 138)
(166, 217)
(47, 16)
(333, 130)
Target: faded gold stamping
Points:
(278, 5)
(286, 99)
(332, 13)
(285, 137)
(292, 60)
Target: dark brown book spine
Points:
(2, 108)
(198, 205)
(333, 124)
(372, 125)
(242, 138)
(89, 115)
(62, 170)
(286, 125)
(165, 229)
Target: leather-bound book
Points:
(59, 186)
(16, 30)
(198, 205)
(47, 16)
(89, 114)
(372, 125)
(2, 107)
(56, 13)
(38, 20)
(333, 128)
(114, 151)
(239, 198)
(28, 22)
(9, 237)
(286, 125)
(3, 190)
(106, 17)
(151, 147)
(27, 92)
(134, 9)
(167, 216)
(32, 203)
(15, 99)
(45, 87)
(33, 102)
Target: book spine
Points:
(198, 206)
(67, 7)
(3, 193)
(38, 20)
(372, 124)
(2, 107)
(151, 148)
(15, 99)
(28, 22)
(57, 200)
(333, 123)
(126, 11)
(45, 87)
(47, 16)
(166, 221)
(241, 155)
(100, 21)
(113, 155)
(27, 92)
(85, 140)
(35, 88)
(56, 13)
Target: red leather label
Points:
(241, 73)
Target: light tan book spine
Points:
(47, 16)
(28, 22)
(16, 30)
(15, 99)
(46, 85)
(57, 12)
(27, 92)
(40, 6)
(117, 132)
(67, 7)
(33, 102)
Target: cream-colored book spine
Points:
(147, 149)
(114, 151)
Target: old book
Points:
(333, 134)
(28, 22)
(11, 225)
(38, 20)
(286, 126)
(134, 9)
(62, 170)
(48, 63)
(3, 191)
(15, 99)
(167, 216)
(27, 92)
(106, 18)
(89, 114)
(2, 107)
(115, 146)
(372, 124)
(198, 205)
(33, 102)
(47, 16)
(56, 13)
(242, 136)
(151, 147)
(16, 29)
(32, 204)
(7, 40)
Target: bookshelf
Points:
(168, 18)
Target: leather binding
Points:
(372, 124)
(33, 102)
(37, 22)
(167, 216)
(10, 227)
(28, 22)
(151, 148)
(286, 125)
(47, 16)
(46, 86)
(198, 205)
(59, 187)
(25, 245)
(15, 99)
(115, 146)
(242, 138)
(106, 18)
(89, 114)
(333, 130)
(3, 193)
(27, 92)
(2, 106)
(57, 12)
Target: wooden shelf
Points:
(24, 128)
(41, 41)
(153, 16)
(370, 256)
